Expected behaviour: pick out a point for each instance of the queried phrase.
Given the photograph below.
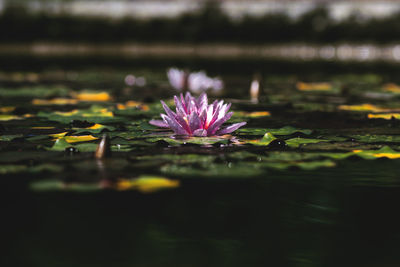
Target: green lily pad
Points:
(34, 92)
(228, 170)
(309, 165)
(9, 137)
(266, 140)
(298, 141)
(287, 130)
(384, 152)
(57, 185)
(377, 138)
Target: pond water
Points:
(311, 180)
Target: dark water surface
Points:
(230, 209)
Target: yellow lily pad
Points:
(93, 96)
(132, 104)
(385, 116)
(101, 113)
(362, 107)
(67, 113)
(95, 126)
(313, 86)
(391, 87)
(7, 109)
(55, 101)
(79, 138)
(7, 117)
(255, 114)
(147, 184)
(58, 135)
(384, 152)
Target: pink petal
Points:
(159, 123)
(169, 112)
(214, 128)
(194, 122)
(175, 126)
(200, 132)
(231, 128)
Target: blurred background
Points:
(100, 43)
(306, 29)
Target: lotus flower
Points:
(195, 82)
(195, 117)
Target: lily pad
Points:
(287, 130)
(298, 141)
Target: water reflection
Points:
(286, 220)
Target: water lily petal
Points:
(214, 128)
(159, 123)
(231, 128)
(200, 133)
(169, 112)
(202, 102)
(175, 126)
(180, 108)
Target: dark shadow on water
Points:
(295, 218)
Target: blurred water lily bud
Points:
(130, 80)
(196, 82)
(140, 81)
(104, 148)
(255, 88)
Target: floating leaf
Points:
(266, 140)
(287, 130)
(57, 185)
(11, 168)
(133, 104)
(391, 87)
(385, 116)
(376, 138)
(79, 138)
(7, 109)
(9, 137)
(96, 128)
(54, 101)
(255, 114)
(384, 152)
(313, 86)
(366, 107)
(58, 135)
(42, 128)
(95, 114)
(296, 142)
(93, 96)
(213, 170)
(6, 117)
(309, 165)
(34, 92)
(147, 184)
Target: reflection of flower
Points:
(195, 82)
(195, 117)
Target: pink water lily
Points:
(195, 117)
